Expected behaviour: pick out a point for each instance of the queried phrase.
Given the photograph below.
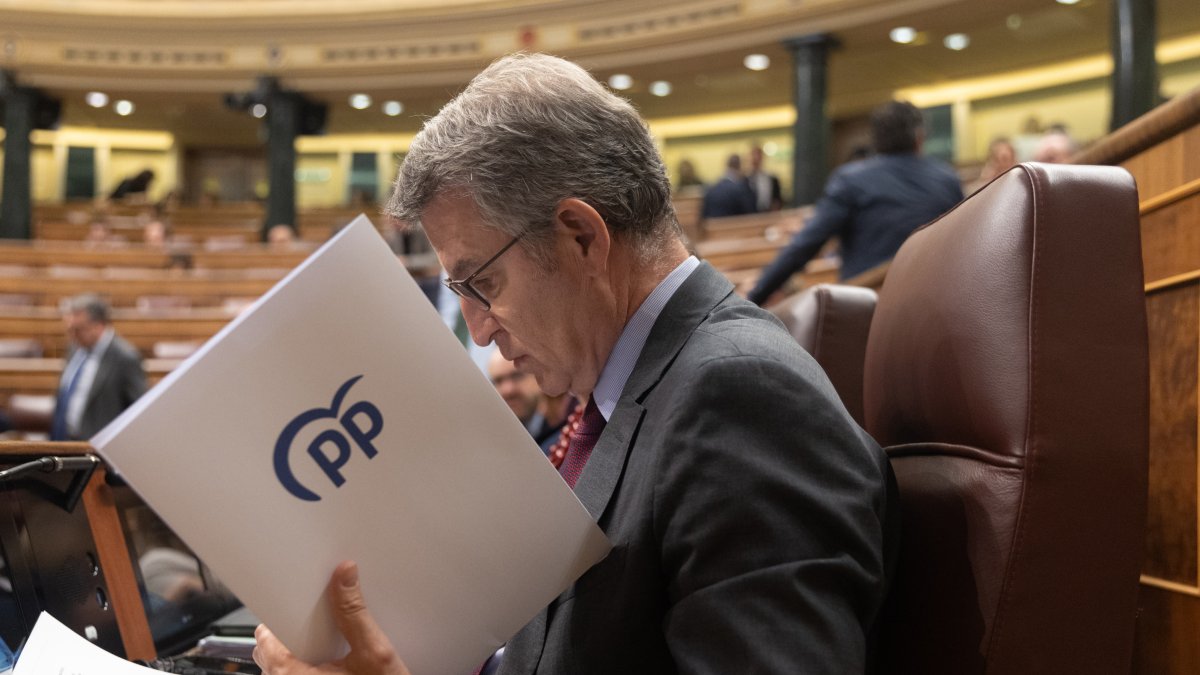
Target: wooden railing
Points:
(1162, 151)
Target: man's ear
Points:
(585, 232)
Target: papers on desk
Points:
(339, 419)
(54, 648)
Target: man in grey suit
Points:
(752, 521)
(103, 375)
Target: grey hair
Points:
(94, 306)
(528, 132)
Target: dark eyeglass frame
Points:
(463, 288)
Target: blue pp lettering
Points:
(331, 449)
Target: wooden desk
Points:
(141, 330)
(756, 225)
(39, 376)
(199, 288)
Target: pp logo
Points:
(331, 448)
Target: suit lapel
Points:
(683, 312)
(691, 304)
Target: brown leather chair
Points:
(1007, 377)
(831, 322)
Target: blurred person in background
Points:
(872, 205)
(103, 375)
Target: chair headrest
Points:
(987, 312)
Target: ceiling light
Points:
(1068, 2)
(957, 41)
(392, 108)
(757, 61)
(1013, 21)
(360, 101)
(258, 110)
(904, 35)
(660, 88)
(123, 107)
(620, 81)
(770, 148)
(96, 99)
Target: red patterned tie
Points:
(582, 441)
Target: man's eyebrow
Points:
(462, 268)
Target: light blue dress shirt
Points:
(629, 346)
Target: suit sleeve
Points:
(831, 214)
(770, 513)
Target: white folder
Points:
(340, 419)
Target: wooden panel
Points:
(1171, 239)
(1167, 165)
(1166, 642)
(118, 568)
(1171, 537)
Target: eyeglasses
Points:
(466, 289)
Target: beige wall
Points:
(1083, 107)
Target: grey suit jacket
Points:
(119, 382)
(752, 521)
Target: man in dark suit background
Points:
(103, 375)
(871, 205)
(752, 521)
(730, 196)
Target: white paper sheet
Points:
(461, 528)
(54, 649)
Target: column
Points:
(812, 128)
(1135, 72)
(283, 125)
(16, 195)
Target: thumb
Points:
(350, 609)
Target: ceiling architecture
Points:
(175, 58)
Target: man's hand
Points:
(371, 653)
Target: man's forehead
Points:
(459, 235)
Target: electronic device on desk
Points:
(190, 612)
(48, 558)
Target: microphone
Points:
(51, 464)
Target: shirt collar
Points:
(629, 346)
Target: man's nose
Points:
(479, 321)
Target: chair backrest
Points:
(831, 322)
(31, 412)
(1007, 378)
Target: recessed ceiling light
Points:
(770, 148)
(660, 88)
(123, 107)
(1068, 2)
(903, 34)
(96, 99)
(392, 108)
(957, 41)
(1013, 21)
(258, 110)
(757, 61)
(360, 101)
(620, 81)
